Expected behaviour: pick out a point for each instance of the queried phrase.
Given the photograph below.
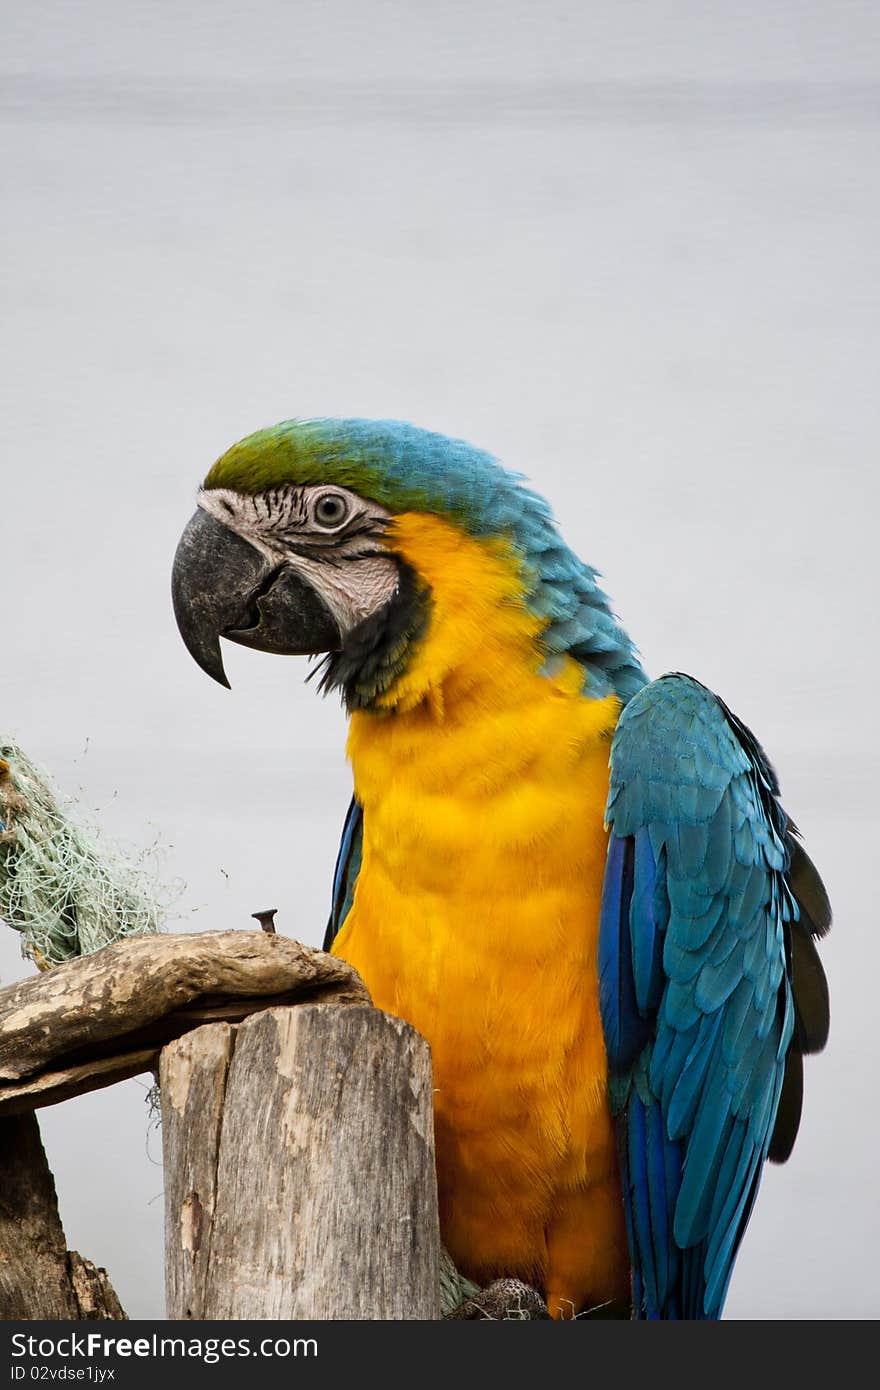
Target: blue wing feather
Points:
(348, 865)
(695, 985)
(625, 1030)
(646, 942)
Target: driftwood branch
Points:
(299, 1162)
(105, 1017)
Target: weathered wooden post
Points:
(297, 1130)
(299, 1168)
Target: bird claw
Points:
(505, 1300)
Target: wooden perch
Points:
(104, 1017)
(299, 1168)
(298, 1141)
(39, 1277)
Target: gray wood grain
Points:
(325, 1201)
(192, 1078)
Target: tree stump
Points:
(39, 1277)
(299, 1168)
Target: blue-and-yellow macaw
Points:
(615, 970)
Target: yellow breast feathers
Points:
(475, 917)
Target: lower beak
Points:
(222, 586)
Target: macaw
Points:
(578, 884)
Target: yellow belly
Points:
(475, 918)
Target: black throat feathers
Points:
(375, 652)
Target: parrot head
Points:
(353, 539)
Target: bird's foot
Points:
(505, 1300)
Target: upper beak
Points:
(222, 587)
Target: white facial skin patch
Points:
(329, 535)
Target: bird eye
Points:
(331, 509)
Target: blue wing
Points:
(710, 986)
(348, 865)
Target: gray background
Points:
(630, 247)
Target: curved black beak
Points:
(222, 587)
